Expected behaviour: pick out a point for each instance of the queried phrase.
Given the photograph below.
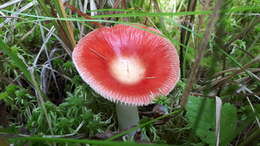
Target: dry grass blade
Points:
(29, 5)
(9, 3)
(65, 27)
(234, 70)
(218, 119)
(93, 7)
(43, 46)
(215, 102)
(221, 81)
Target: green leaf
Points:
(201, 116)
(202, 122)
(228, 123)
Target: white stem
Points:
(127, 116)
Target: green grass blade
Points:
(83, 141)
(18, 62)
(158, 14)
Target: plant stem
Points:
(127, 116)
(201, 50)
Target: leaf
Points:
(228, 123)
(202, 122)
(201, 116)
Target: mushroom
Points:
(127, 65)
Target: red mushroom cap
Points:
(127, 64)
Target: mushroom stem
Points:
(127, 116)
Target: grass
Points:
(43, 100)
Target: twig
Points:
(221, 81)
(201, 49)
(185, 35)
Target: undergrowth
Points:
(43, 100)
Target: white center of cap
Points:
(127, 70)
